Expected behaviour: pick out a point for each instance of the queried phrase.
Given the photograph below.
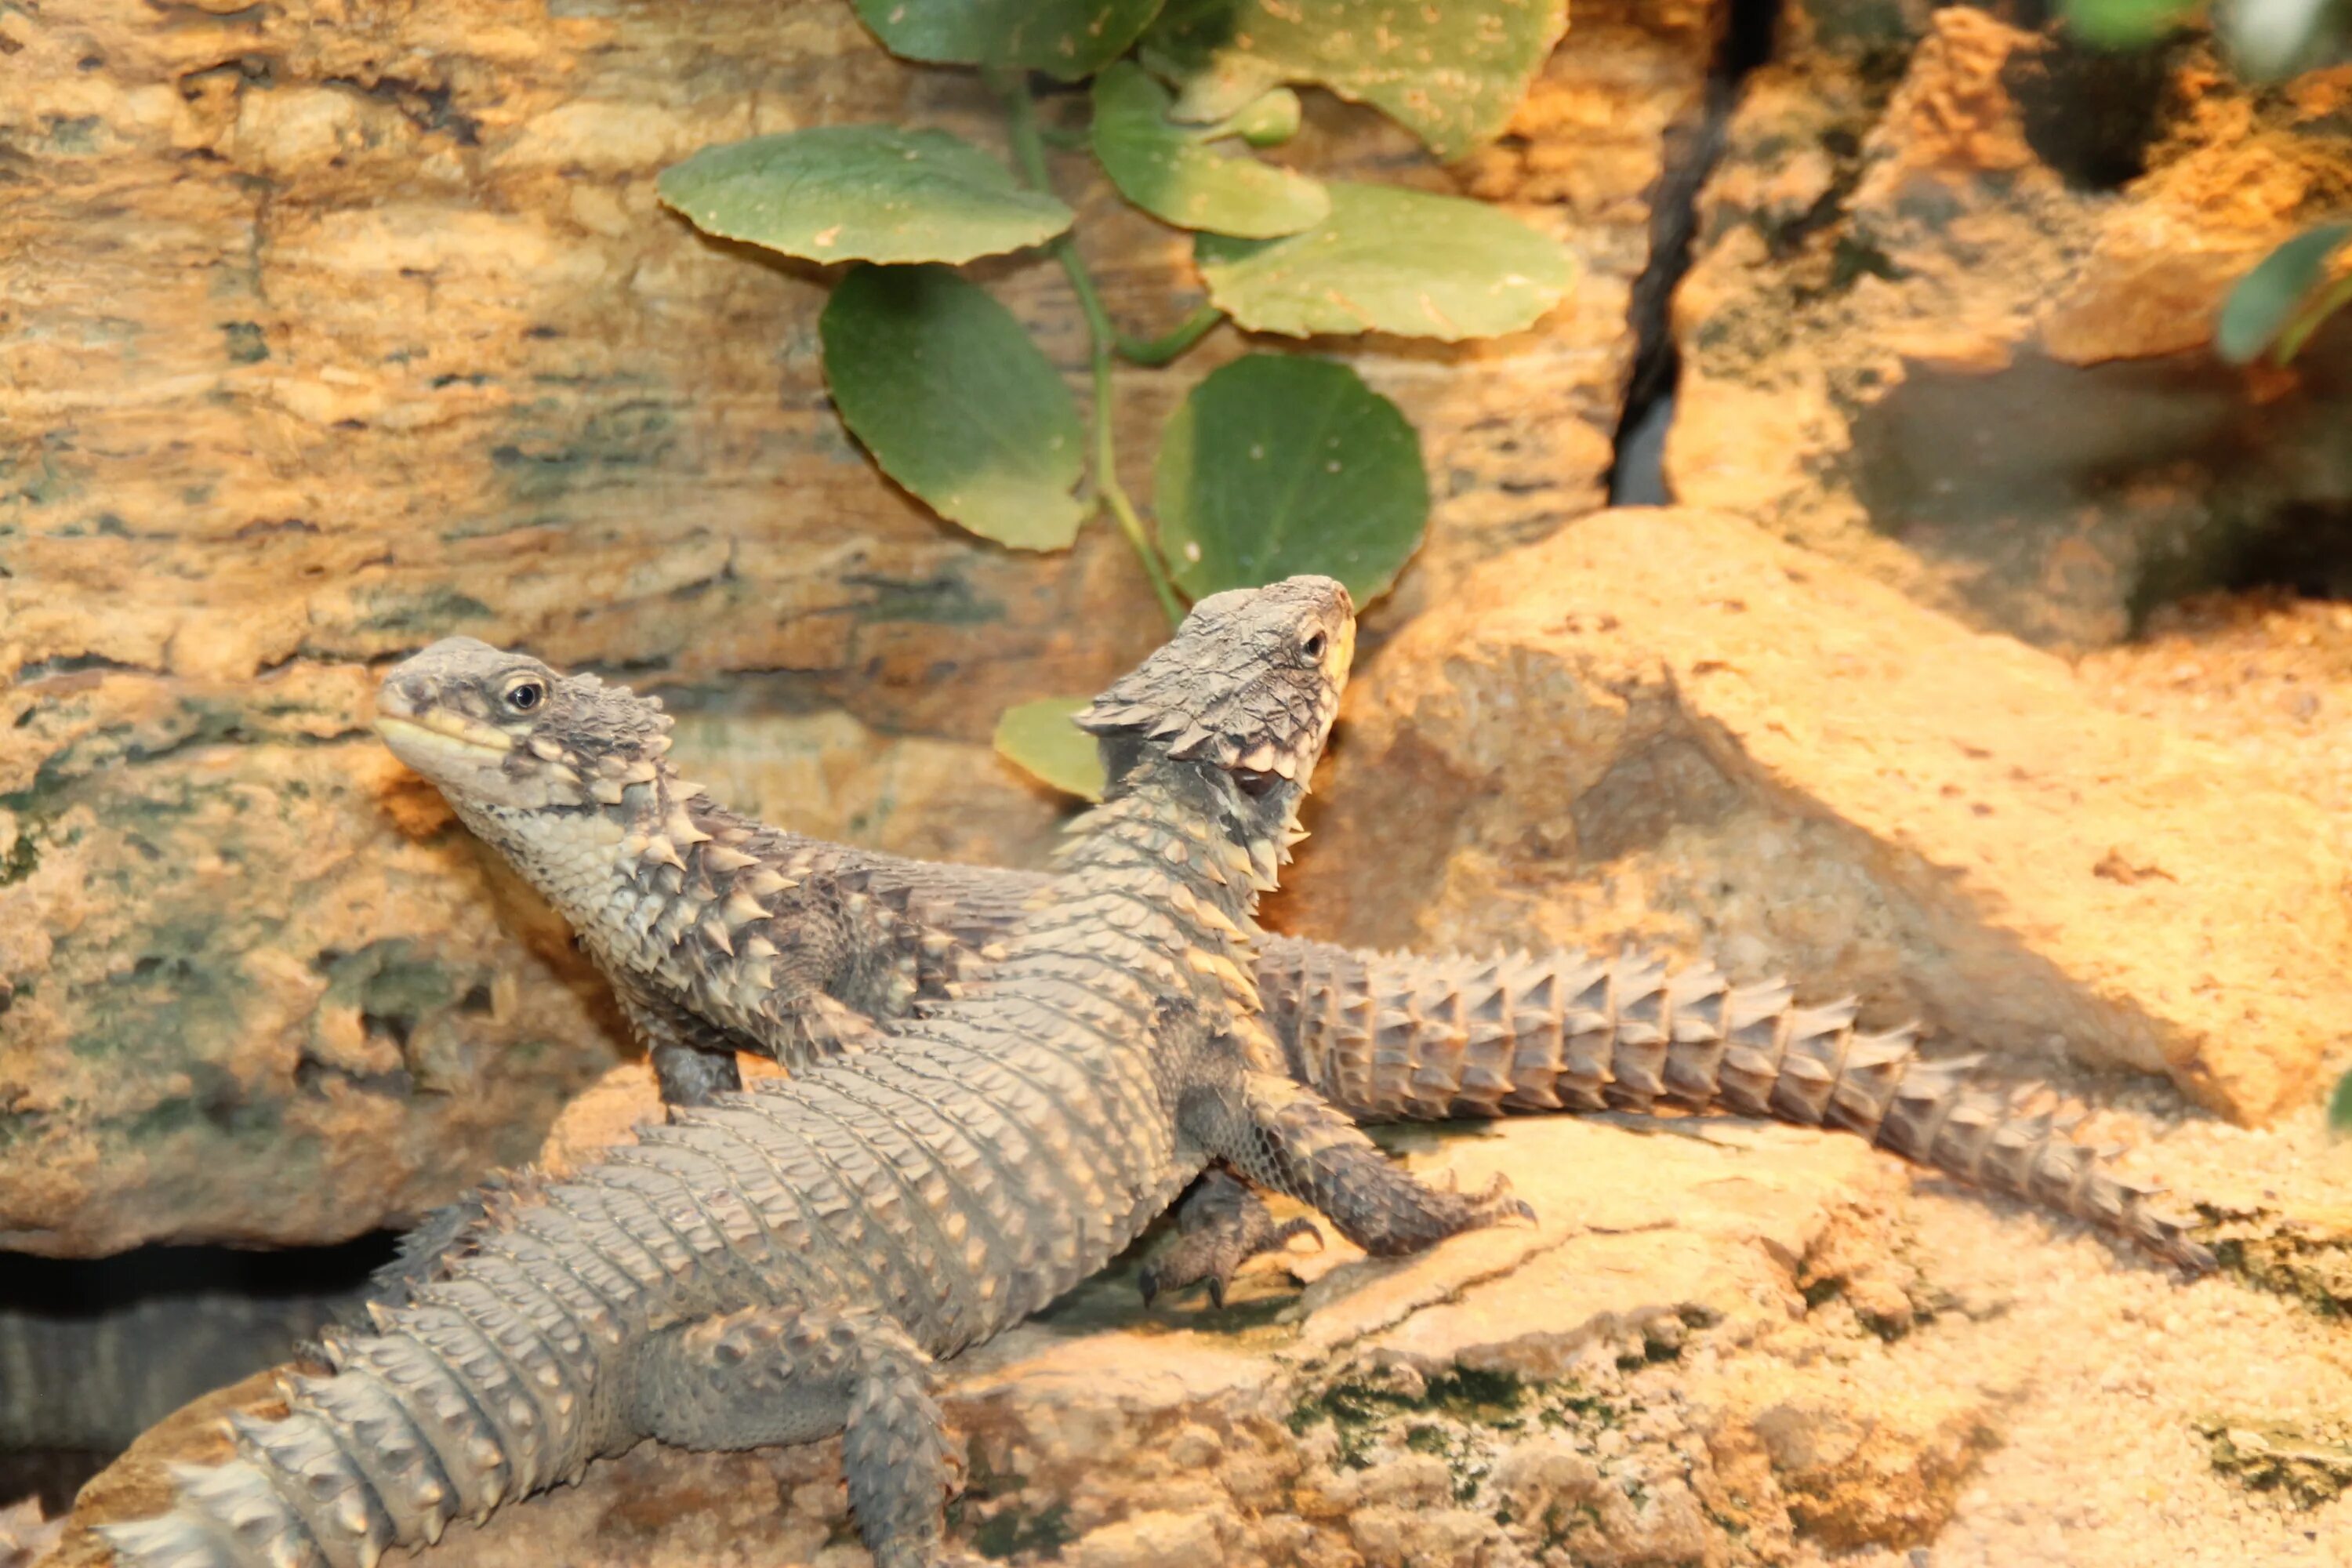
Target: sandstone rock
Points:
(2266, 677)
(1669, 723)
(226, 1023)
(1954, 328)
(329, 334)
(1155, 1538)
(1882, 1471)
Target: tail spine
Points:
(486, 1383)
(1408, 1037)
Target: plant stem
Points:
(1029, 151)
(1172, 342)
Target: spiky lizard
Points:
(778, 1265)
(853, 938)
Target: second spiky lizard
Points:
(792, 947)
(779, 1265)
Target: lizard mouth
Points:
(440, 734)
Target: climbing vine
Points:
(1274, 464)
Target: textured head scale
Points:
(493, 727)
(1250, 684)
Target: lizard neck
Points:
(1194, 825)
(573, 854)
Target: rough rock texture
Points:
(1950, 312)
(2267, 677)
(1670, 723)
(328, 333)
(1746, 1347)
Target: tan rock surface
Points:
(1954, 328)
(1745, 1347)
(2266, 677)
(326, 333)
(1670, 723)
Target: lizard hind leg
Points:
(1221, 1225)
(1283, 1135)
(782, 1374)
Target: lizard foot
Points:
(1497, 1204)
(1220, 1226)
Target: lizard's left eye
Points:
(525, 695)
(1314, 645)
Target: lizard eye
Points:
(526, 694)
(1314, 645)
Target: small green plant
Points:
(2266, 40)
(1274, 464)
(2276, 308)
(2339, 1107)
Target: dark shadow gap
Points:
(1635, 474)
(93, 1352)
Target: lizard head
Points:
(493, 727)
(1249, 686)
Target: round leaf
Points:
(953, 400)
(2262, 305)
(1391, 260)
(1063, 38)
(1277, 465)
(862, 192)
(2125, 23)
(1169, 172)
(1267, 120)
(1452, 74)
(1039, 738)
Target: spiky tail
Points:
(482, 1388)
(1400, 1037)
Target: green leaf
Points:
(1063, 38)
(1267, 120)
(1279, 464)
(1451, 73)
(1169, 172)
(2313, 317)
(2126, 24)
(2263, 305)
(1040, 738)
(1391, 260)
(862, 192)
(953, 400)
(2339, 1106)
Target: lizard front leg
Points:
(1285, 1136)
(784, 1374)
(1222, 1225)
(693, 1059)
